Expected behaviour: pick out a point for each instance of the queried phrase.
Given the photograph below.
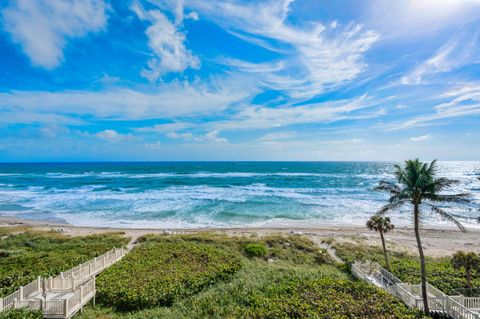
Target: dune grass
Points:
(26, 254)
(294, 279)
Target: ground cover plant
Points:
(406, 267)
(295, 279)
(21, 314)
(163, 273)
(26, 255)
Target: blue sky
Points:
(239, 80)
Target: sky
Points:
(153, 80)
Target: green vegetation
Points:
(159, 273)
(382, 225)
(418, 185)
(469, 262)
(26, 255)
(21, 314)
(406, 267)
(256, 250)
(295, 279)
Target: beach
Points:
(437, 241)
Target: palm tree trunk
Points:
(423, 273)
(387, 265)
(468, 274)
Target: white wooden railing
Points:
(457, 307)
(68, 280)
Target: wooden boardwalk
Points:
(456, 307)
(64, 295)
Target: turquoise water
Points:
(210, 194)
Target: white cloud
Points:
(463, 101)
(318, 57)
(167, 43)
(450, 56)
(167, 101)
(417, 18)
(42, 27)
(420, 138)
(259, 117)
(167, 127)
(211, 136)
(109, 135)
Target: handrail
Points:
(67, 280)
(457, 307)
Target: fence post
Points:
(20, 297)
(1, 304)
(65, 307)
(81, 294)
(39, 283)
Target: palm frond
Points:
(403, 194)
(446, 216)
(440, 184)
(387, 187)
(392, 206)
(432, 168)
(463, 198)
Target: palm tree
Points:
(418, 186)
(381, 225)
(468, 261)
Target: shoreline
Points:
(437, 241)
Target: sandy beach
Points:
(437, 241)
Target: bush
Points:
(21, 314)
(299, 297)
(256, 250)
(159, 273)
(440, 272)
(27, 255)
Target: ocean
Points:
(213, 194)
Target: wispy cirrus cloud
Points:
(318, 57)
(259, 117)
(42, 27)
(166, 101)
(421, 138)
(211, 136)
(460, 102)
(452, 55)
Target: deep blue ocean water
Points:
(211, 194)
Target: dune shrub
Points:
(256, 250)
(21, 314)
(324, 298)
(159, 273)
(30, 254)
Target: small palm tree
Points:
(468, 261)
(381, 225)
(418, 186)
